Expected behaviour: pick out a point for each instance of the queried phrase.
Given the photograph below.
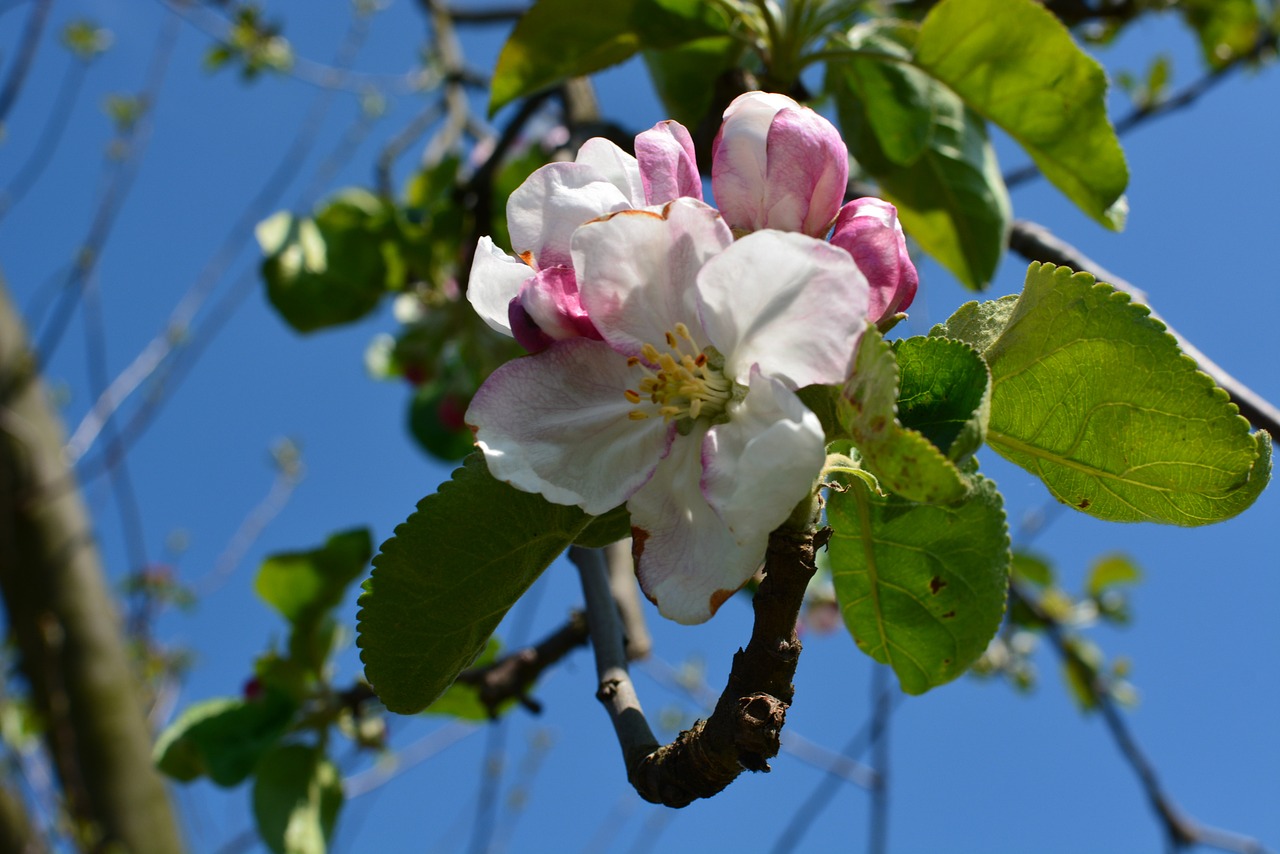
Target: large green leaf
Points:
(1093, 396)
(929, 153)
(977, 323)
(903, 460)
(442, 584)
(223, 738)
(1016, 64)
(558, 39)
(685, 76)
(921, 588)
(297, 793)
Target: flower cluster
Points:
(669, 337)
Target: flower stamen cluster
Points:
(685, 386)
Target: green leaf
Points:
(1228, 29)
(435, 421)
(442, 584)
(1016, 64)
(558, 39)
(223, 738)
(1111, 571)
(685, 76)
(902, 459)
(297, 794)
(929, 153)
(944, 393)
(977, 323)
(1031, 568)
(605, 530)
(463, 701)
(328, 270)
(921, 588)
(302, 585)
(1091, 394)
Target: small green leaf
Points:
(1032, 568)
(1091, 394)
(938, 169)
(903, 460)
(558, 39)
(1228, 29)
(1016, 64)
(1111, 571)
(977, 323)
(303, 585)
(328, 270)
(224, 738)
(921, 588)
(297, 794)
(944, 393)
(442, 584)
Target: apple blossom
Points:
(685, 409)
(868, 229)
(777, 164)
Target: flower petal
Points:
(738, 158)
(544, 211)
(763, 462)
(807, 173)
(687, 561)
(556, 423)
(868, 229)
(496, 278)
(616, 166)
(636, 270)
(549, 309)
(668, 164)
(792, 304)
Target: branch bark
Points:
(67, 633)
(745, 729)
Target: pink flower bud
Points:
(668, 165)
(868, 230)
(549, 308)
(777, 164)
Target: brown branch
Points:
(1036, 243)
(511, 677)
(1181, 829)
(744, 731)
(492, 15)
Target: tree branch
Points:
(26, 53)
(744, 730)
(1036, 243)
(511, 677)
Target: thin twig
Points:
(401, 761)
(492, 15)
(1180, 829)
(1036, 243)
(397, 145)
(622, 583)
(50, 136)
(881, 711)
(26, 53)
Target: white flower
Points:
(685, 409)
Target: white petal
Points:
(495, 280)
(543, 212)
(792, 304)
(556, 423)
(687, 561)
(618, 168)
(763, 462)
(636, 270)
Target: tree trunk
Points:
(64, 624)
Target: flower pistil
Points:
(684, 382)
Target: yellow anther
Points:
(671, 340)
(637, 415)
(683, 332)
(632, 396)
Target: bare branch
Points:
(1036, 243)
(26, 53)
(511, 677)
(622, 583)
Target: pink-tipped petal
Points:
(552, 203)
(615, 166)
(738, 159)
(760, 464)
(868, 229)
(554, 422)
(636, 270)
(807, 173)
(794, 305)
(687, 561)
(551, 302)
(668, 164)
(496, 278)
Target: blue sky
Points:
(974, 766)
